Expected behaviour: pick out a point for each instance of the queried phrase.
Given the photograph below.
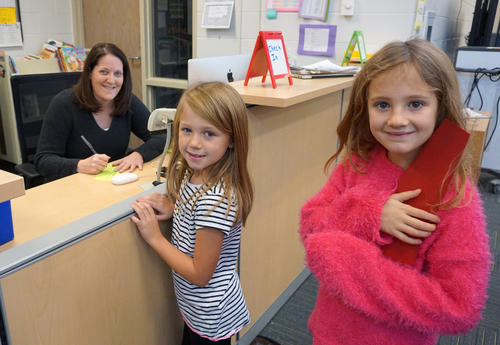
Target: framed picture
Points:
(217, 15)
(317, 39)
(314, 9)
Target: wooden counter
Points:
(286, 95)
(77, 271)
(11, 186)
(478, 128)
(57, 203)
(292, 134)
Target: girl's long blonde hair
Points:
(219, 104)
(436, 70)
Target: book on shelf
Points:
(48, 51)
(71, 58)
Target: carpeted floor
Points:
(289, 325)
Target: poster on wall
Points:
(10, 27)
(314, 9)
(317, 39)
(217, 14)
(283, 5)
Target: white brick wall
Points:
(42, 20)
(380, 21)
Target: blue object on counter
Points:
(6, 226)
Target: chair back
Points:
(32, 94)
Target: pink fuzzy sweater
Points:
(365, 298)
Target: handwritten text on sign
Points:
(277, 57)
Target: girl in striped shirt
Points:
(209, 198)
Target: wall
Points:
(42, 20)
(452, 23)
(392, 19)
(380, 21)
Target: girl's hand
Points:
(131, 162)
(404, 221)
(160, 203)
(146, 222)
(92, 165)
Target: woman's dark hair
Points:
(84, 94)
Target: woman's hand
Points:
(146, 222)
(92, 165)
(160, 203)
(404, 221)
(131, 162)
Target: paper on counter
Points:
(328, 66)
(107, 174)
(472, 114)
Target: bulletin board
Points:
(10, 24)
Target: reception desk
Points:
(293, 133)
(77, 271)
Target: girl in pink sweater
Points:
(398, 99)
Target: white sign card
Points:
(10, 35)
(277, 56)
(316, 39)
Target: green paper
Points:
(107, 174)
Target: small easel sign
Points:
(269, 54)
(356, 38)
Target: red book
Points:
(432, 166)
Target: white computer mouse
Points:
(124, 178)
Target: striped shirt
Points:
(217, 310)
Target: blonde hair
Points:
(436, 69)
(219, 104)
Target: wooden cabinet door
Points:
(118, 22)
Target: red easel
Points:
(269, 54)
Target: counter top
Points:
(52, 205)
(286, 95)
(11, 186)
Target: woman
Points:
(89, 125)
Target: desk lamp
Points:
(159, 120)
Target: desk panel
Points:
(288, 149)
(110, 288)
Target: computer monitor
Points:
(218, 68)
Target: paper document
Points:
(328, 66)
(316, 39)
(107, 174)
(471, 113)
(10, 35)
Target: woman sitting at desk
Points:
(89, 125)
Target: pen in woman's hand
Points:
(88, 144)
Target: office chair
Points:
(162, 119)
(32, 94)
